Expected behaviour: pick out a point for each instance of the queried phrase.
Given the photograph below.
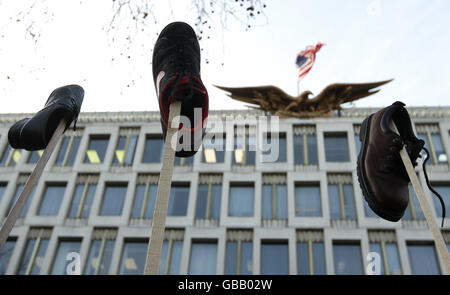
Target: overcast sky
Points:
(366, 40)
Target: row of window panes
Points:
(347, 257)
(241, 200)
(305, 149)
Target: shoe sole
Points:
(362, 177)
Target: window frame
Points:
(304, 132)
(122, 184)
(239, 237)
(88, 181)
(104, 236)
(340, 180)
(73, 137)
(39, 235)
(210, 180)
(92, 137)
(245, 185)
(336, 135)
(128, 133)
(310, 238)
(154, 136)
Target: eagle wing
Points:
(274, 100)
(336, 94)
(266, 98)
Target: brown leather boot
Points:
(381, 173)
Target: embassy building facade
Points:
(229, 212)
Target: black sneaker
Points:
(176, 74)
(34, 133)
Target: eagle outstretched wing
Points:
(268, 98)
(336, 94)
(274, 100)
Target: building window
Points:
(203, 260)
(347, 258)
(341, 197)
(100, 253)
(446, 236)
(133, 257)
(368, 211)
(171, 252)
(336, 147)
(244, 145)
(305, 145)
(433, 142)
(126, 147)
(423, 259)
(357, 129)
(271, 142)
(145, 196)
(51, 201)
(6, 253)
(241, 200)
(214, 149)
(33, 257)
(83, 196)
(274, 258)
(444, 191)
(310, 253)
(307, 200)
(183, 161)
(34, 156)
(10, 157)
(98, 144)
(113, 199)
(134, 254)
(69, 148)
(21, 180)
(178, 200)
(209, 197)
(384, 243)
(2, 190)
(153, 149)
(414, 211)
(239, 253)
(64, 248)
(274, 197)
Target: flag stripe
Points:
(305, 60)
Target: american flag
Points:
(306, 58)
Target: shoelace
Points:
(392, 159)
(431, 188)
(182, 62)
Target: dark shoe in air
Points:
(34, 133)
(381, 172)
(176, 74)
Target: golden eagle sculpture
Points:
(274, 100)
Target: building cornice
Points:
(150, 116)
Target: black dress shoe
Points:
(34, 133)
(381, 173)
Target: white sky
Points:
(367, 40)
